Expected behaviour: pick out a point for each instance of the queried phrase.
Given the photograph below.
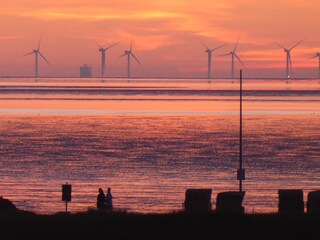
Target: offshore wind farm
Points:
(129, 53)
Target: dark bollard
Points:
(291, 202)
(198, 201)
(313, 204)
(230, 202)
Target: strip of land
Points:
(122, 226)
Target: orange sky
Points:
(165, 35)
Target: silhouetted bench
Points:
(291, 201)
(198, 201)
(230, 202)
(313, 203)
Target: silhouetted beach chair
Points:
(198, 201)
(313, 203)
(291, 201)
(230, 202)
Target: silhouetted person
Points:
(109, 200)
(101, 199)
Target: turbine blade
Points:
(39, 43)
(204, 45)
(296, 44)
(111, 46)
(135, 58)
(235, 47)
(98, 44)
(313, 57)
(240, 60)
(212, 50)
(224, 55)
(280, 45)
(131, 46)
(44, 58)
(28, 54)
(123, 55)
(290, 63)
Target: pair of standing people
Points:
(104, 201)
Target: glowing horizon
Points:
(166, 36)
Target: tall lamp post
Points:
(241, 171)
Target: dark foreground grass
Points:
(124, 226)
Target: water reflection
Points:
(150, 160)
(151, 140)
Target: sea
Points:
(150, 140)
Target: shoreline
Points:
(121, 225)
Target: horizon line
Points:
(173, 78)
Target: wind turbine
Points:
(129, 53)
(209, 52)
(103, 57)
(288, 58)
(234, 55)
(37, 52)
(317, 56)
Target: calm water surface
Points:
(151, 140)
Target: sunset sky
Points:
(166, 36)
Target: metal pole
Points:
(240, 157)
(66, 206)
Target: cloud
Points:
(91, 14)
(11, 37)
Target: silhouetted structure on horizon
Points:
(85, 71)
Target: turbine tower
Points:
(317, 56)
(288, 58)
(103, 57)
(129, 53)
(37, 52)
(234, 55)
(209, 52)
